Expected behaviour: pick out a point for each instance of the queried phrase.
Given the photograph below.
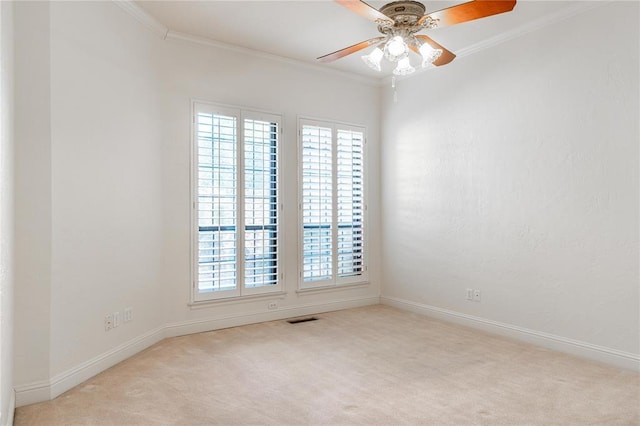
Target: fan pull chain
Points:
(395, 91)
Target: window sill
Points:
(324, 289)
(201, 304)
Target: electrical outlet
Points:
(273, 305)
(108, 322)
(469, 294)
(116, 319)
(476, 295)
(128, 314)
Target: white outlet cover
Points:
(108, 322)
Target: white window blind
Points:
(235, 202)
(332, 204)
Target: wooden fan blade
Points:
(469, 11)
(446, 56)
(363, 9)
(349, 50)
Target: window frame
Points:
(241, 291)
(335, 281)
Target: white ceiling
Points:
(304, 30)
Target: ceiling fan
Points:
(400, 21)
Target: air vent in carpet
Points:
(299, 320)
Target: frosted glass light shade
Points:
(395, 48)
(404, 67)
(429, 54)
(373, 59)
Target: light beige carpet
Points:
(374, 365)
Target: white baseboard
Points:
(35, 392)
(80, 373)
(198, 326)
(7, 420)
(603, 354)
(31, 393)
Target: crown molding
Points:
(535, 25)
(165, 33)
(552, 18)
(143, 17)
(184, 37)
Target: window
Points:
(332, 204)
(235, 202)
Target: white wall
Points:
(515, 171)
(7, 401)
(88, 179)
(104, 181)
(106, 192)
(32, 193)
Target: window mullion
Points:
(334, 203)
(240, 204)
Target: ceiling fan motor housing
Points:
(404, 12)
(405, 18)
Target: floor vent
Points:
(299, 320)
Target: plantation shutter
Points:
(317, 203)
(332, 204)
(261, 202)
(350, 202)
(217, 136)
(236, 202)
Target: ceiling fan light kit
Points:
(429, 54)
(404, 67)
(374, 58)
(399, 22)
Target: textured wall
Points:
(515, 171)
